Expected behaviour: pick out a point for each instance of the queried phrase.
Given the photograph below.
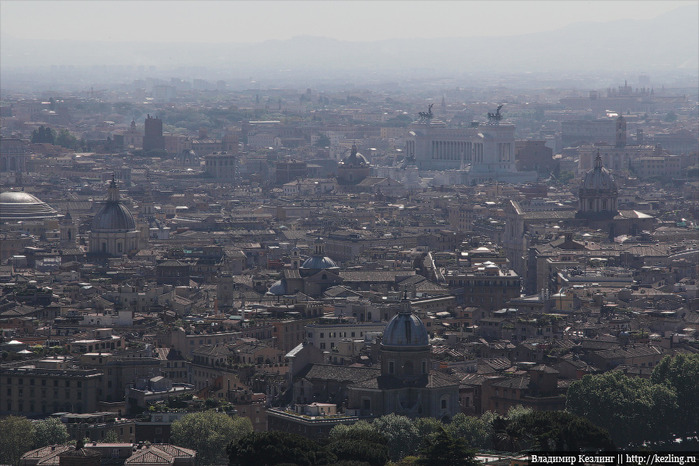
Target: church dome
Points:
(319, 263)
(18, 205)
(113, 216)
(405, 330)
(598, 193)
(278, 288)
(599, 178)
(355, 159)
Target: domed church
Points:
(353, 169)
(598, 205)
(407, 386)
(315, 275)
(114, 231)
(18, 206)
(598, 193)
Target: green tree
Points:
(323, 141)
(670, 117)
(16, 438)
(402, 435)
(111, 437)
(426, 426)
(363, 445)
(443, 449)
(344, 430)
(515, 412)
(681, 373)
(475, 431)
(559, 430)
(209, 433)
(632, 409)
(50, 431)
(43, 135)
(272, 448)
(67, 140)
(505, 438)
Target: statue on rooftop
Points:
(495, 117)
(426, 115)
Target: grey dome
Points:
(599, 178)
(18, 205)
(355, 159)
(318, 263)
(115, 217)
(405, 329)
(277, 288)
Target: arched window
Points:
(408, 368)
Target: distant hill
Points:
(668, 42)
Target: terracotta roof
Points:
(340, 373)
(521, 382)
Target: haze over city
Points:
(323, 42)
(349, 233)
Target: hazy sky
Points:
(244, 21)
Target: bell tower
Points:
(621, 131)
(68, 230)
(295, 259)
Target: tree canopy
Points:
(272, 448)
(632, 409)
(66, 139)
(50, 431)
(16, 438)
(681, 374)
(209, 433)
(401, 433)
(559, 430)
(444, 449)
(43, 135)
(360, 442)
(476, 431)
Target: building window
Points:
(390, 367)
(444, 403)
